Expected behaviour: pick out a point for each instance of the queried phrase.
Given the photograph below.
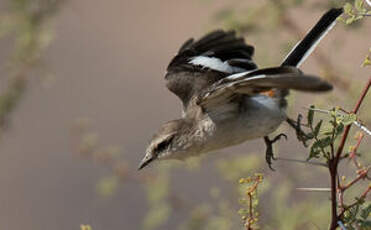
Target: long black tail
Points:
(306, 46)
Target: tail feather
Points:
(306, 46)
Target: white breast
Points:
(264, 116)
(258, 117)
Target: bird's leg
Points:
(269, 156)
(300, 134)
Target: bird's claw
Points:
(269, 156)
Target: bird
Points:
(226, 99)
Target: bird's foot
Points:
(269, 156)
(300, 134)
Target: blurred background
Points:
(82, 92)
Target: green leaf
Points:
(339, 129)
(310, 115)
(349, 119)
(358, 4)
(348, 8)
(359, 17)
(317, 128)
(314, 152)
(350, 20)
(324, 142)
(366, 212)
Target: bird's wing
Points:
(199, 64)
(259, 81)
(280, 78)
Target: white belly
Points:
(258, 117)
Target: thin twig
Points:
(362, 174)
(362, 127)
(353, 153)
(314, 189)
(363, 196)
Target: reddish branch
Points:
(347, 129)
(362, 174)
(362, 197)
(333, 162)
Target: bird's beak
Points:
(148, 158)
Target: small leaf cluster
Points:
(354, 12)
(358, 216)
(325, 138)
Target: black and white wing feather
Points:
(199, 64)
(256, 82)
(282, 78)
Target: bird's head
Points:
(166, 143)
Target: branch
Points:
(353, 153)
(333, 162)
(347, 129)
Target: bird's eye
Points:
(163, 145)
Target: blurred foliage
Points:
(367, 60)
(232, 170)
(107, 186)
(28, 25)
(85, 227)
(157, 189)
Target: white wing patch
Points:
(238, 75)
(245, 80)
(215, 64)
(225, 90)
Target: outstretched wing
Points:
(281, 79)
(259, 81)
(201, 63)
